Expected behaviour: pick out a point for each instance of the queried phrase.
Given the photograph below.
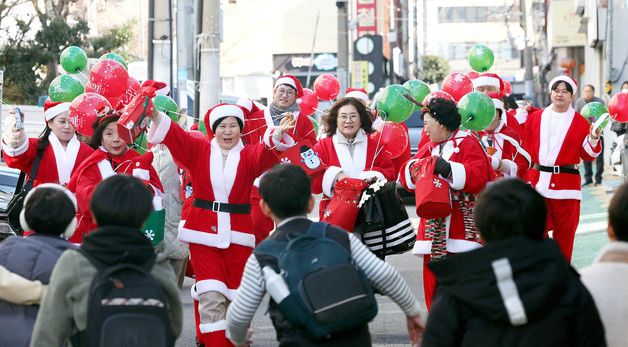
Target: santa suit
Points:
(254, 125)
(220, 241)
(557, 139)
(97, 167)
(304, 129)
(56, 164)
(470, 172)
(335, 153)
(515, 161)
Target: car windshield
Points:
(8, 181)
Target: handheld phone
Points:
(19, 118)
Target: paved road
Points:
(388, 328)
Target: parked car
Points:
(9, 185)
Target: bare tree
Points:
(6, 6)
(48, 9)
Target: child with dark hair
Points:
(517, 290)
(112, 156)
(49, 211)
(607, 278)
(462, 162)
(120, 205)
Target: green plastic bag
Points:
(154, 226)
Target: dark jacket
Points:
(548, 304)
(289, 335)
(33, 258)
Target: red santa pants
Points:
(262, 225)
(562, 217)
(429, 282)
(220, 271)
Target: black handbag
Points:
(17, 201)
(383, 224)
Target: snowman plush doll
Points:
(309, 158)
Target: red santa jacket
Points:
(334, 153)
(570, 144)
(515, 161)
(57, 164)
(470, 172)
(96, 168)
(212, 180)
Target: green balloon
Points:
(65, 88)
(418, 89)
(201, 127)
(592, 112)
(476, 110)
(167, 105)
(314, 124)
(141, 143)
(115, 57)
(480, 58)
(394, 105)
(73, 59)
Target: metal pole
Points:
(527, 56)
(309, 68)
(197, 58)
(210, 56)
(185, 49)
(609, 43)
(343, 46)
(170, 63)
(151, 33)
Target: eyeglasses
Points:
(286, 92)
(344, 117)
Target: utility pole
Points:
(527, 56)
(160, 42)
(610, 75)
(343, 46)
(209, 45)
(185, 49)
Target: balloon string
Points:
(379, 139)
(82, 74)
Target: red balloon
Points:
(618, 107)
(134, 88)
(309, 102)
(89, 88)
(109, 78)
(84, 111)
(507, 88)
(394, 137)
(457, 85)
(473, 75)
(327, 87)
(437, 94)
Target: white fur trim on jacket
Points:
(157, 132)
(406, 173)
(494, 162)
(371, 174)
(14, 152)
(204, 286)
(65, 158)
(458, 176)
(521, 115)
(453, 246)
(211, 327)
(588, 146)
(329, 178)
(286, 142)
(508, 168)
(222, 239)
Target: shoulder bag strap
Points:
(31, 176)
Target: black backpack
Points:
(127, 306)
(328, 293)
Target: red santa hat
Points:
(160, 87)
(291, 81)
(488, 79)
(53, 109)
(245, 103)
(564, 78)
(215, 114)
(358, 93)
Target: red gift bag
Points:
(134, 119)
(433, 200)
(303, 155)
(342, 210)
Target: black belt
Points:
(222, 207)
(570, 169)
